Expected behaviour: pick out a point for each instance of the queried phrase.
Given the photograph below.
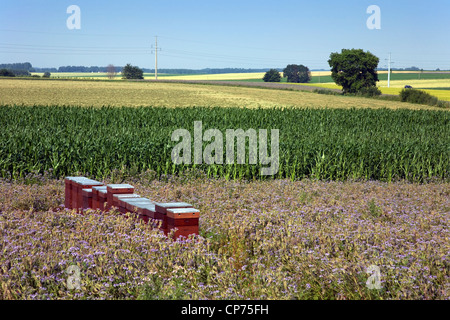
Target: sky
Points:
(223, 34)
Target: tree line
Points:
(161, 70)
(27, 66)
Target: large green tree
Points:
(132, 72)
(354, 69)
(297, 73)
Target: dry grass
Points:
(93, 93)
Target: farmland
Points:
(435, 83)
(361, 182)
(132, 94)
(332, 144)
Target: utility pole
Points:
(389, 70)
(156, 57)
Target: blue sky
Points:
(217, 34)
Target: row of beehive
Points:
(82, 193)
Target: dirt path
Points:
(268, 85)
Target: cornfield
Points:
(325, 144)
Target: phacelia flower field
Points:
(274, 239)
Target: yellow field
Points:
(224, 76)
(115, 93)
(83, 75)
(398, 85)
(103, 76)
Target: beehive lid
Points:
(150, 207)
(183, 213)
(161, 207)
(140, 199)
(126, 195)
(89, 182)
(98, 188)
(120, 186)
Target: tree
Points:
(354, 69)
(132, 72)
(272, 76)
(111, 71)
(46, 75)
(6, 73)
(297, 73)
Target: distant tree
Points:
(132, 72)
(272, 76)
(354, 69)
(17, 66)
(111, 71)
(21, 73)
(46, 75)
(6, 73)
(297, 73)
(93, 69)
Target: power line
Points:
(15, 48)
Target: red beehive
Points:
(113, 189)
(149, 210)
(87, 198)
(148, 214)
(75, 197)
(76, 185)
(95, 196)
(183, 231)
(101, 198)
(135, 204)
(185, 220)
(161, 211)
(81, 184)
(68, 192)
(118, 200)
(74, 204)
